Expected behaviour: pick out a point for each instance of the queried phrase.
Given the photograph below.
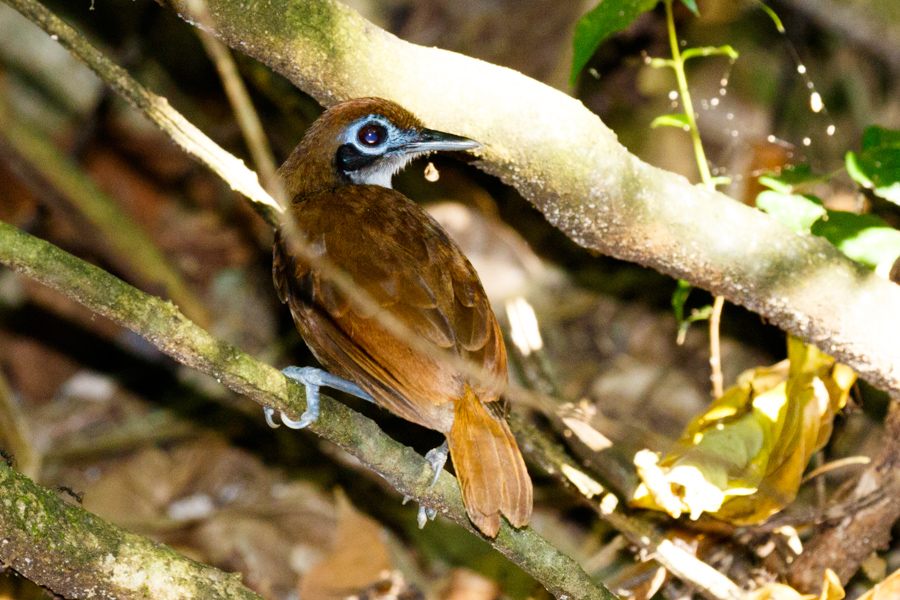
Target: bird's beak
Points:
(429, 140)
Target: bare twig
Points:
(14, 430)
(835, 465)
(163, 325)
(247, 119)
(239, 98)
(715, 350)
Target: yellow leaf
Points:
(744, 458)
(831, 590)
(887, 589)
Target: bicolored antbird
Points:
(342, 205)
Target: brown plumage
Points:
(402, 258)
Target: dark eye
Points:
(372, 134)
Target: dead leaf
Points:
(359, 561)
(468, 585)
(831, 590)
(743, 460)
(886, 590)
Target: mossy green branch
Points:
(78, 555)
(163, 325)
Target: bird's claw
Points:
(425, 515)
(312, 379)
(306, 419)
(436, 457)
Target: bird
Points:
(343, 208)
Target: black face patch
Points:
(348, 159)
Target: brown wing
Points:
(396, 253)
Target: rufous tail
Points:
(489, 467)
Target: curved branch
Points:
(571, 167)
(163, 325)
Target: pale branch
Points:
(563, 159)
(78, 555)
(163, 325)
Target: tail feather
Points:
(489, 467)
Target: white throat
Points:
(381, 172)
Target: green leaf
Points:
(679, 297)
(680, 121)
(877, 167)
(864, 238)
(607, 18)
(789, 178)
(692, 5)
(797, 212)
(879, 137)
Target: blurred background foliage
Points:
(172, 454)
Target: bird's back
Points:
(404, 261)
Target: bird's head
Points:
(361, 141)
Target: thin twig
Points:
(715, 350)
(677, 64)
(247, 119)
(834, 465)
(163, 325)
(239, 98)
(14, 430)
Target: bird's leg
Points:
(313, 378)
(437, 458)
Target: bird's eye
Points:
(372, 135)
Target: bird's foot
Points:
(424, 515)
(437, 458)
(313, 378)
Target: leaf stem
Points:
(677, 65)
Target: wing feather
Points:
(396, 253)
